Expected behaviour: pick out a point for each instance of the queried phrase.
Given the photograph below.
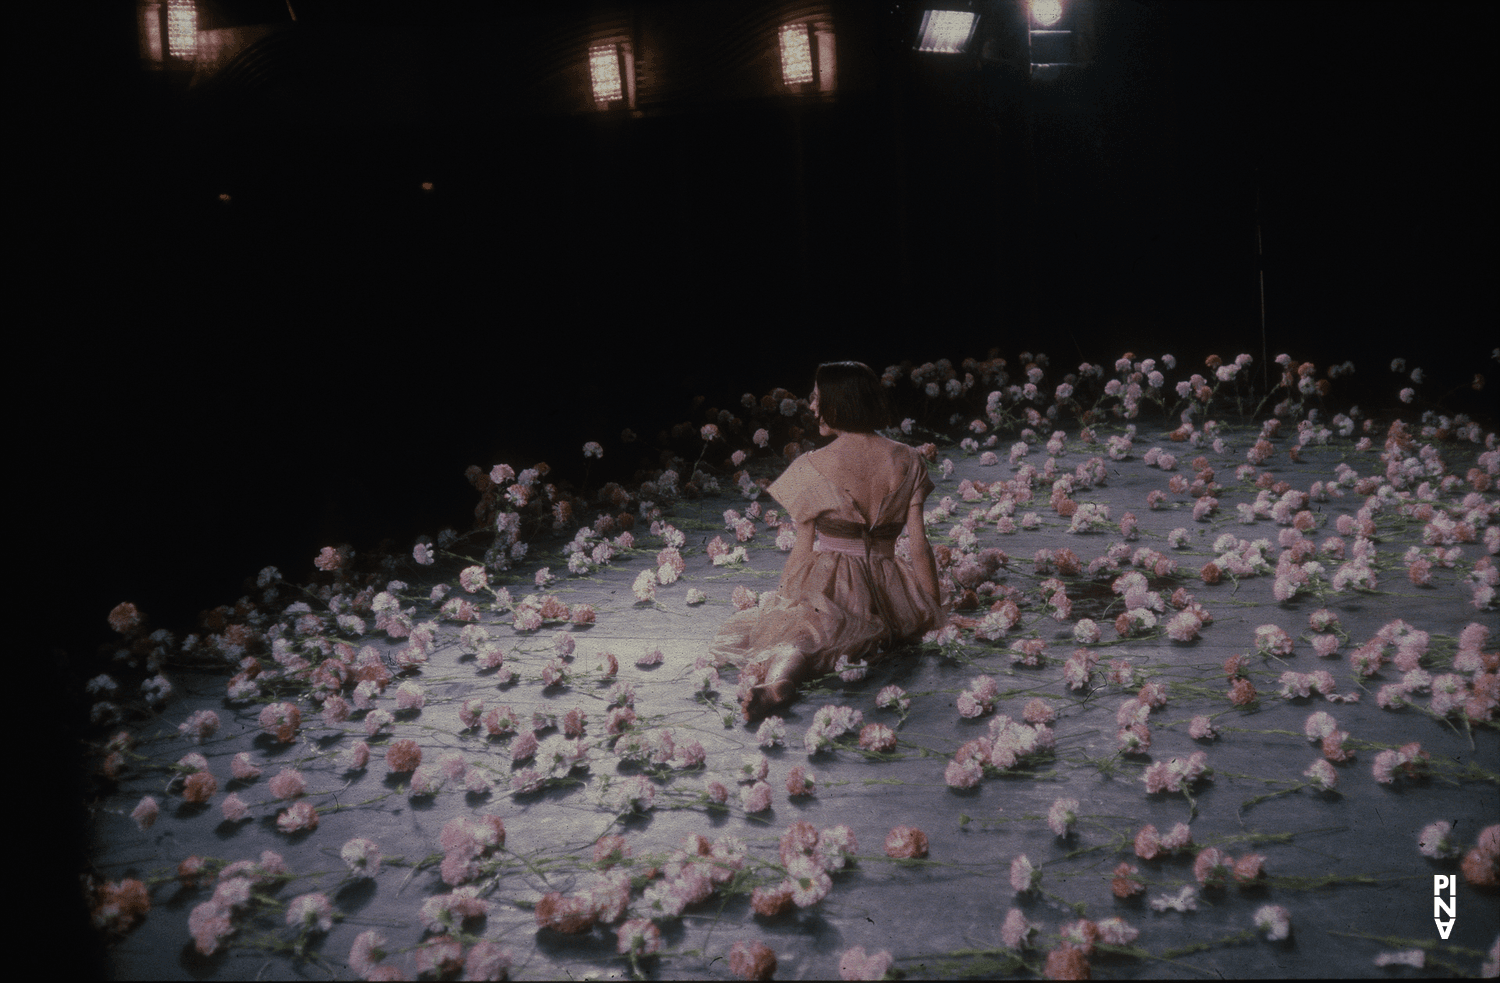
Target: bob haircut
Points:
(851, 398)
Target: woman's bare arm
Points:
(923, 563)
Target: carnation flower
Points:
(639, 936)
(199, 787)
(1481, 865)
(1016, 931)
(963, 774)
(1179, 838)
(288, 784)
(1184, 900)
(403, 755)
(1116, 931)
(752, 961)
(145, 812)
(1436, 841)
(906, 842)
(200, 726)
(301, 816)
(1275, 921)
(362, 856)
(281, 721)
(311, 912)
(877, 737)
(1062, 816)
(1249, 869)
(800, 781)
(1125, 883)
(771, 901)
(1023, 876)
(772, 731)
(1067, 962)
(855, 964)
(756, 797)
(1322, 775)
(1212, 867)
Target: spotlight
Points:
(1046, 13)
(182, 29)
(168, 32)
(946, 31)
(807, 56)
(1050, 34)
(604, 71)
(796, 54)
(612, 73)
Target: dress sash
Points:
(860, 542)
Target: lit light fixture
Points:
(807, 56)
(946, 31)
(182, 29)
(612, 73)
(604, 72)
(1050, 36)
(1046, 13)
(796, 54)
(168, 32)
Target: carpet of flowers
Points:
(1200, 633)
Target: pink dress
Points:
(852, 596)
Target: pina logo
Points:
(1441, 907)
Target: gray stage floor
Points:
(1344, 867)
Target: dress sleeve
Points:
(803, 491)
(921, 483)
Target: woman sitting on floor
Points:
(844, 592)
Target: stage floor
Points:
(1345, 867)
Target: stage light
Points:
(946, 31)
(807, 56)
(604, 70)
(1046, 13)
(1052, 36)
(796, 54)
(612, 73)
(182, 29)
(168, 32)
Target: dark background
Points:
(317, 360)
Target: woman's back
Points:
(872, 472)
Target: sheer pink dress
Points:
(852, 596)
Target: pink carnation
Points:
(756, 797)
(1016, 930)
(301, 816)
(281, 721)
(857, 965)
(906, 842)
(799, 781)
(145, 812)
(288, 784)
(1023, 876)
(752, 961)
(403, 755)
(877, 737)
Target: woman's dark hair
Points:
(851, 398)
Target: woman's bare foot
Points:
(767, 697)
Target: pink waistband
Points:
(853, 547)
